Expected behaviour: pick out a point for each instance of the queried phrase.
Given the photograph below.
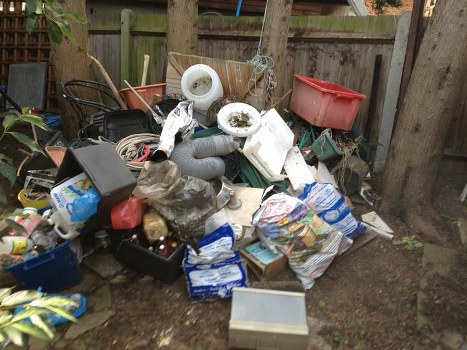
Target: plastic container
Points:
(147, 92)
(141, 259)
(325, 104)
(268, 148)
(201, 84)
(53, 270)
(26, 202)
(268, 319)
(325, 148)
(120, 124)
(15, 245)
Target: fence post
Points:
(127, 20)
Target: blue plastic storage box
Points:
(54, 270)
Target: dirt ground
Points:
(367, 299)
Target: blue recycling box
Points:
(53, 270)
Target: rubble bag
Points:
(185, 202)
(285, 223)
(331, 206)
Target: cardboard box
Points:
(268, 319)
(108, 173)
(263, 263)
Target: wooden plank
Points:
(392, 92)
(125, 44)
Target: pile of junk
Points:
(191, 180)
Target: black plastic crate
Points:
(143, 260)
(120, 124)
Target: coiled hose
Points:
(134, 149)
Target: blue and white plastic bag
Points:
(215, 268)
(330, 206)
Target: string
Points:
(262, 65)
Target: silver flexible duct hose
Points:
(200, 157)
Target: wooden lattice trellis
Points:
(18, 46)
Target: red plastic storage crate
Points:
(323, 103)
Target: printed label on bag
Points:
(19, 246)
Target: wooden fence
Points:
(345, 50)
(353, 51)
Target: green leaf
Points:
(3, 198)
(31, 6)
(55, 32)
(74, 17)
(33, 119)
(28, 312)
(321, 303)
(9, 121)
(57, 301)
(5, 317)
(31, 22)
(3, 336)
(14, 335)
(27, 141)
(61, 312)
(28, 328)
(20, 297)
(4, 292)
(7, 169)
(14, 225)
(43, 325)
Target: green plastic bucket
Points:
(325, 148)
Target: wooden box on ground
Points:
(262, 262)
(238, 79)
(268, 319)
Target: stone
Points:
(37, 344)
(106, 266)
(438, 260)
(462, 225)
(88, 322)
(451, 340)
(90, 281)
(316, 341)
(101, 299)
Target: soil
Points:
(367, 298)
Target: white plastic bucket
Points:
(201, 84)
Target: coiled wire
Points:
(131, 148)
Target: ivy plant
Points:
(7, 167)
(58, 20)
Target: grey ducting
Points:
(200, 157)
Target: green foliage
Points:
(410, 242)
(7, 168)
(31, 320)
(58, 20)
(379, 4)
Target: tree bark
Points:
(182, 26)
(70, 62)
(428, 108)
(276, 29)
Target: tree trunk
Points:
(182, 26)
(276, 29)
(417, 147)
(70, 62)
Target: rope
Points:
(134, 149)
(262, 64)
